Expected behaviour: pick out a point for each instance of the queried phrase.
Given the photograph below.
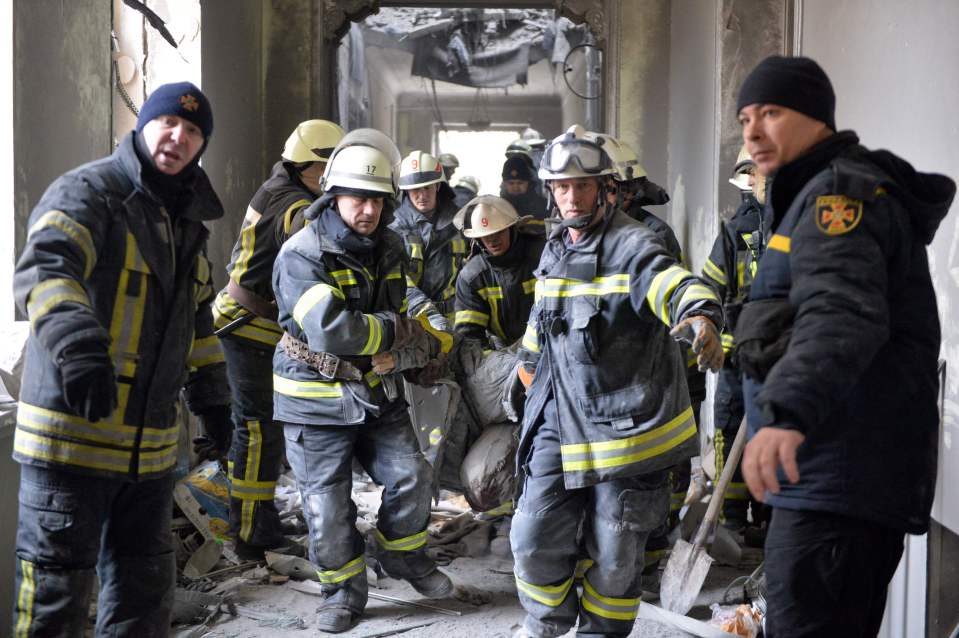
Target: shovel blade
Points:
(683, 577)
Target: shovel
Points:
(688, 564)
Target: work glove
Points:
(217, 426)
(434, 370)
(88, 380)
(702, 335)
(440, 322)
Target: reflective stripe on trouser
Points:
(618, 517)
(72, 527)
(322, 461)
(257, 448)
(728, 413)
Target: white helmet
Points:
(624, 159)
(576, 153)
(312, 141)
(468, 182)
(364, 160)
(448, 160)
(744, 164)
(534, 138)
(420, 169)
(488, 215)
(521, 147)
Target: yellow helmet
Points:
(420, 169)
(744, 165)
(312, 141)
(487, 214)
(624, 159)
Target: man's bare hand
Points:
(702, 335)
(769, 449)
(383, 362)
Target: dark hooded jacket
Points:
(844, 334)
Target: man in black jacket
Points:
(839, 345)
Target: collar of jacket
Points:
(205, 205)
(789, 179)
(442, 215)
(589, 241)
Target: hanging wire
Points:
(117, 82)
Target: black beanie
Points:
(182, 99)
(517, 167)
(796, 83)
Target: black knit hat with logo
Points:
(183, 99)
(797, 83)
(518, 167)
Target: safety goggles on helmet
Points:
(585, 154)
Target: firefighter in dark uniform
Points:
(466, 188)
(521, 188)
(450, 163)
(340, 287)
(838, 344)
(608, 411)
(274, 214)
(730, 269)
(116, 284)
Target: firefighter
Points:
(730, 269)
(521, 188)
(608, 412)
(466, 188)
(340, 288)
(838, 344)
(116, 284)
(273, 215)
(450, 163)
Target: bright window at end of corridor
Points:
(480, 153)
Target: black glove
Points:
(217, 426)
(88, 380)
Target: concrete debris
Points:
(203, 559)
(398, 630)
(278, 620)
(487, 471)
(293, 566)
(193, 607)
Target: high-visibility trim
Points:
(254, 451)
(307, 389)
(599, 286)
(290, 213)
(372, 379)
(436, 435)
(459, 245)
(353, 568)
(692, 359)
(728, 341)
(715, 273)
(109, 431)
(247, 244)
(661, 290)
(549, 595)
(677, 500)
(311, 297)
(49, 294)
(405, 306)
(206, 351)
(252, 490)
(529, 286)
(74, 230)
(719, 451)
(582, 566)
(45, 448)
(580, 457)
(344, 277)
(503, 509)
(129, 306)
(471, 316)
(696, 292)
(780, 243)
(375, 338)
(25, 597)
(737, 492)
(652, 557)
(531, 339)
(606, 606)
(416, 250)
(261, 329)
(396, 273)
(406, 544)
(492, 295)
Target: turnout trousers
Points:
(72, 524)
(322, 460)
(728, 410)
(257, 448)
(614, 518)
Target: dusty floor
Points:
(497, 619)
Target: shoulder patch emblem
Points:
(837, 214)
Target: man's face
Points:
(516, 186)
(776, 135)
(575, 196)
(172, 142)
(361, 214)
(424, 199)
(497, 243)
(310, 176)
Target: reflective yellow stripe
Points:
(247, 243)
(28, 589)
(556, 287)
(291, 213)
(74, 231)
(99, 458)
(394, 274)
(109, 431)
(606, 606)
(129, 306)
(694, 293)
(372, 379)
(406, 544)
(375, 338)
(471, 316)
(459, 245)
(714, 272)
(492, 296)
(205, 351)
(416, 250)
(405, 306)
(661, 290)
(531, 338)
(353, 568)
(307, 389)
(436, 435)
(344, 277)
(311, 297)
(261, 329)
(582, 566)
(50, 293)
(579, 457)
(254, 451)
(780, 243)
(529, 286)
(729, 342)
(252, 490)
(549, 595)
(503, 509)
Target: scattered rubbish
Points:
(204, 497)
(293, 566)
(692, 626)
(398, 630)
(194, 607)
(278, 620)
(472, 595)
(233, 568)
(411, 603)
(203, 560)
(739, 620)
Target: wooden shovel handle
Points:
(719, 492)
